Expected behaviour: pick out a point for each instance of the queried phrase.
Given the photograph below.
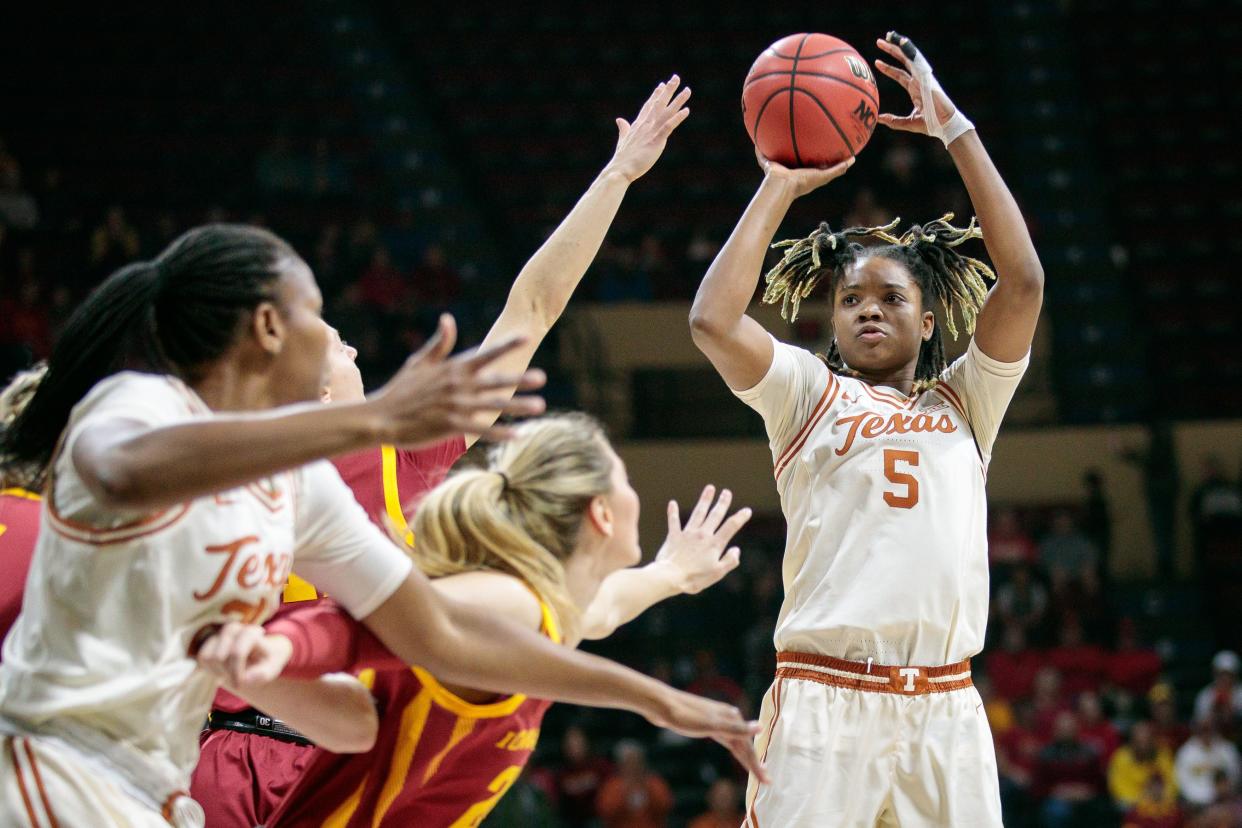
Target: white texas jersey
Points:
(886, 553)
(114, 601)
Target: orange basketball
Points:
(810, 100)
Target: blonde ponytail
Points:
(522, 513)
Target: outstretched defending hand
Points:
(942, 120)
(697, 717)
(639, 144)
(435, 396)
(695, 553)
(803, 180)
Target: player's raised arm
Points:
(128, 465)
(543, 287)
(1006, 323)
(693, 557)
(736, 344)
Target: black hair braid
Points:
(173, 314)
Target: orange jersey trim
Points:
(952, 398)
(21, 783)
(890, 398)
(825, 404)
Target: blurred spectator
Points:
(1215, 505)
(1160, 489)
(701, 249)
(1226, 808)
(1081, 664)
(1131, 666)
(436, 281)
(1012, 668)
(1134, 762)
(710, 682)
(25, 319)
(1049, 702)
(17, 207)
(577, 784)
(1224, 694)
(634, 797)
(1068, 779)
(1022, 601)
(1096, 730)
(403, 238)
(667, 281)
(1008, 543)
(114, 243)
(1198, 762)
(723, 807)
(1171, 731)
(1097, 520)
(1017, 757)
(998, 709)
(525, 803)
(1156, 807)
(383, 287)
(1065, 551)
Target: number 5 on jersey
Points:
(908, 498)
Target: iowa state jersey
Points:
(438, 761)
(19, 529)
(886, 552)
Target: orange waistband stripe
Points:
(876, 678)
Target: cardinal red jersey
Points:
(19, 529)
(438, 761)
(240, 777)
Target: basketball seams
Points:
(849, 144)
(861, 89)
(793, 80)
(759, 116)
(817, 56)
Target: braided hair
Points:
(174, 314)
(929, 252)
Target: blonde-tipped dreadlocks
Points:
(928, 251)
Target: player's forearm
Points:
(324, 638)
(464, 645)
(730, 283)
(549, 279)
(627, 594)
(148, 469)
(335, 712)
(1005, 232)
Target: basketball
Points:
(810, 100)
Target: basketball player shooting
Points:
(881, 452)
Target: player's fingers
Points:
(743, 750)
(525, 405)
(674, 518)
(528, 380)
(717, 515)
(905, 44)
(441, 343)
(733, 525)
(623, 127)
(732, 557)
(680, 100)
(896, 50)
(888, 70)
(670, 89)
(700, 508)
(905, 123)
(651, 102)
(244, 648)
(674, 122)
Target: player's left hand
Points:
(695, 554)
(639, 144)
(903, 50)
(244, 655)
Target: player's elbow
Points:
(114, 484)
(356, 723)
(705, 327)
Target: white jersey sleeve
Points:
(151, 400)
(983, 387)
(339, 549)
(789, 392)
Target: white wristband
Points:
(958, 124)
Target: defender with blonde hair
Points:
(544, 535)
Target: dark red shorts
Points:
(242, 777)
